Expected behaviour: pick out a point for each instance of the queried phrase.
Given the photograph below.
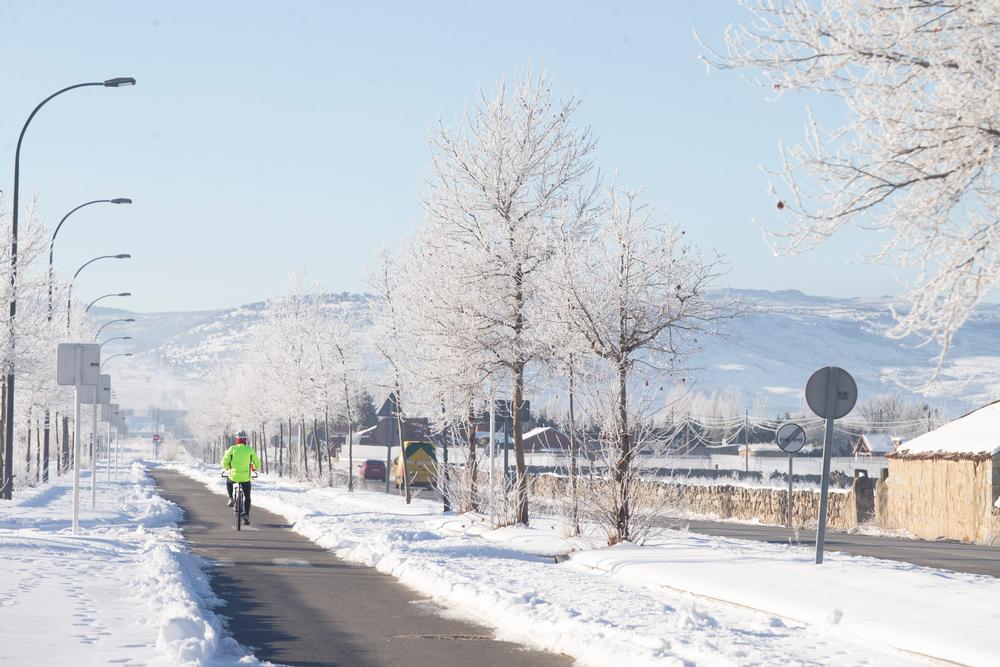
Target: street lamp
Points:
(87, 309)
(116, 338)
(52, 243)
(69, 290)
(101, 328)
(6, 483)
(120, 354)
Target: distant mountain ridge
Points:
(771, 351)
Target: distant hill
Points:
(772, 350)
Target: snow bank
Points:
(975, 433)
(125, 590)
(508, 580)
(945, 615)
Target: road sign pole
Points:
(790, 438)
(78, 353)
(93, 456)
(108, 445)
(790, 494)
(831, 405)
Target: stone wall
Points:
(845, 510)
(942, 497)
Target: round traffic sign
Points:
(156, 438)
(837, 380)
(790, 438)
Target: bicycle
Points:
(238, 501)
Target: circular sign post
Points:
(831, 393)
(790, 438)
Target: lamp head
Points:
(119, 81)
(123, 256)
(121, 200)
(130, 319)
(125, 294)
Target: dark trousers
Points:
(246, 493)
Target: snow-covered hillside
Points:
(787, 335)
(772, 350)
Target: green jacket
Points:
(237, 461)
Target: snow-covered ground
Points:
(122, 591)
(685, 599)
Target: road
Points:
(944, 554)
(292, 602)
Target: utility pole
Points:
(746, 440)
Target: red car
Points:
(373, 469)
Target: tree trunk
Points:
(319, 454)
(518, 428)
(443, 470)
(27, 457)
(263, 445)
(623, 462)
(55, 441)
(518, 398)
(574, 498)
(304, 445)
(470, 460)
(65, 440)
(291, 457)
(281, 448)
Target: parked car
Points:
(372, 469)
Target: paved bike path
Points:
(292, 602)
(943, 554)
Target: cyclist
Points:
(240, 460)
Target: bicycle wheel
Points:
(239, 507)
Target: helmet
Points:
(241, 437)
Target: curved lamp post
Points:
(116, 338)
(6, 483)
(69, 290)
(52, 243)
(120, 354)
(87, 309)
(101, 328)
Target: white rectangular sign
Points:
(102, 389)
(90, 363)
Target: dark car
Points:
(373, 469)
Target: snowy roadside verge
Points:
(125, 589)
(508, 581)
(941, 614)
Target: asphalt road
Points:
(294, 603)
(945, 554)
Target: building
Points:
(545, 439)
(946, 483)
(874, 444)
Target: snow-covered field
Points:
(122, 591)
(685, 599)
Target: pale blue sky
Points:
(265, 136)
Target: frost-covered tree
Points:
(342, 366)
(499, 182)
(915, 157)
(638, 296)
(33, 349)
